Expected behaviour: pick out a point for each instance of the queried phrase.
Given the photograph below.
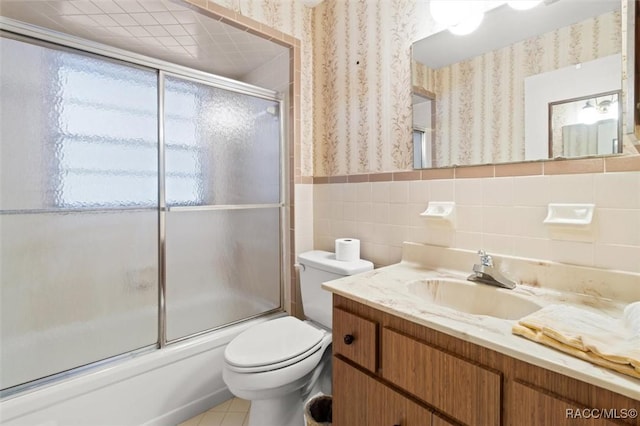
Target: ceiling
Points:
(163, 29)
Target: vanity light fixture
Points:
(606, 108)
(588, 113)
(524, 4)
(460, 17)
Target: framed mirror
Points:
(490, 106)
(585, 126)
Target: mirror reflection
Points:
(585, 126)
(492, 88)
(423, 128)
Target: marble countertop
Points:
(389, 289)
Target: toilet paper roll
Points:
(347, 249)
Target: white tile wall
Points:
(304, 223)
(501, 215)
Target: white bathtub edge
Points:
(163, 387)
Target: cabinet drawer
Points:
(532, 407)
(361, 400)
(355, 338)
(458, 388)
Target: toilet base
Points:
(287, 410)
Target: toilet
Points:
(280, 363)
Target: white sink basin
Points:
(473, 298)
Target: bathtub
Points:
(162, 387)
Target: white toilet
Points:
(279, 363)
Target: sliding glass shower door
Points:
(222, 186)
(78, 210)
(136, 207)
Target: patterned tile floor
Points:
(234, 412)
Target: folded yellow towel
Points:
(609, 342)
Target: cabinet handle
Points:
(348, 339)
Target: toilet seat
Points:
(273, 345)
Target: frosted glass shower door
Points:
(222, 168)
(78, 210)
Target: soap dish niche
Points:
(570, 215)
(442, 212)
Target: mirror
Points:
(424, 122)
(589, 125)
(492, 88)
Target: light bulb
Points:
(444, 12)
(524, 4)
(588, 114)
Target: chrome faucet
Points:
(486, 273)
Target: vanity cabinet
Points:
(390, 371)
(353, 404)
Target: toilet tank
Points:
(317, 267)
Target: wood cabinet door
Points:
(361, 400)
(532, 408)
(459, 388)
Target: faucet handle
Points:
(485, 259)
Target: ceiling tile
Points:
(165, 29)
(118, 31)
(80, 20)
(184, 16)
(156, 30)
(108, 6)
(124, 19)
(173, 5)
(186, 40)
(193, 29)
(153, 5)
(144, 19)
(86, 7)
(168, 41)
(104, 20)
(164, 18)
(131, 6)
(176, 30)
(138, 31)
(193, 50)
(64, 8)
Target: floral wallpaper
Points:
(362, 80)
(482, 123)
(356, 82)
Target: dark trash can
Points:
(318, 410)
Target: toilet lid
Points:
(272, 342)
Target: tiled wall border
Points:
(624, 163)
(293, 135)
